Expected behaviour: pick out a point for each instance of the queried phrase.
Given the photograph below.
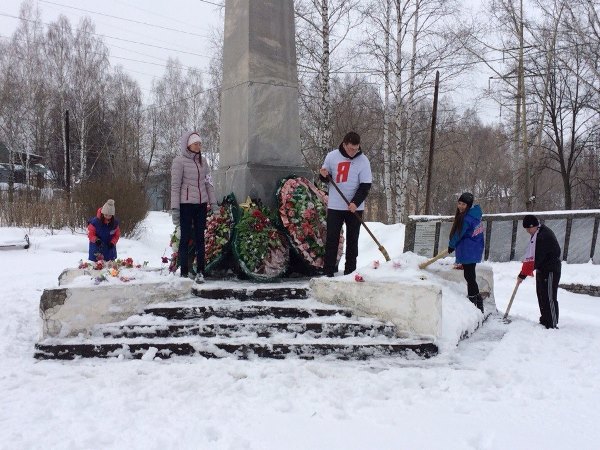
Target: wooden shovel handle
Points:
(440, 255)
(512, 297)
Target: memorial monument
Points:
(260, 125)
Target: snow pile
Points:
(508, 386)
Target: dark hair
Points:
(351, 138)
(458, 221)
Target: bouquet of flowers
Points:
(111, 268)
(303, 214)
(262, 251)
(174, 244)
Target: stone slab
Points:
(596, 258)
(559, 226)
(164, 350)
(500, 241)
(71, 311)
(445, 228)
(580, 244)
(425, 238)
(251, 293)
(416, 310)
(521, 243)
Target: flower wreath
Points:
(261, 250)
(303, 214)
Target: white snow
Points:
(533, 388)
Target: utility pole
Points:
(524, 144)
(432, 143)
(67, 157)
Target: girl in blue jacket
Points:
(466, 237)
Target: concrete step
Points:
(248, 328)
(305, 349)
(300, 291)
(242, 311)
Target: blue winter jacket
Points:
(468, 242)
(107, 233)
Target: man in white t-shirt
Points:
(350, 169)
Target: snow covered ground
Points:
(508, 386)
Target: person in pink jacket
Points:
(192, 191)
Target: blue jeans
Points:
(192, 220)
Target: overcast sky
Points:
(182, 28)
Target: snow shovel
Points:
(381, 248)
(440, 255)
(512, 297)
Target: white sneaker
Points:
(199, 278)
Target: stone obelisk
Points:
(260, 125)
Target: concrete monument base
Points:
(416, 310)
(71, 310)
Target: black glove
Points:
(111, 245)
(98, 243)
(450, 250)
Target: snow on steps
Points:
(253, 322)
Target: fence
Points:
(507, 240)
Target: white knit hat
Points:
(194, 137)
(109, 208)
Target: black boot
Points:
(477, 301)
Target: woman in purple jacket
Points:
(466, 237)
(191, 192)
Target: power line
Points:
(179, 100)
(128, 59)
(211, 3)
(112, 37)
(162, 16)
(127, 20)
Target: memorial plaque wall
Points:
(500, 241)
(580, 244)
(425, 238)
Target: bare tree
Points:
(322, 27)
(90, 66)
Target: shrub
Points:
(131, 203)
(31, 209)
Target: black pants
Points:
(335, 220)
(546, 284)
(192, 214)
(471, 278)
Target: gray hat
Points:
(109, 208)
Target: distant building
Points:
(37, 171)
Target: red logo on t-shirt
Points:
(342, 172)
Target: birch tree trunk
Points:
(388, 192)
(325, 119)
(401, 172)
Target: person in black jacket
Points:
(543, 256)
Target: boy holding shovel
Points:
(542, 255)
